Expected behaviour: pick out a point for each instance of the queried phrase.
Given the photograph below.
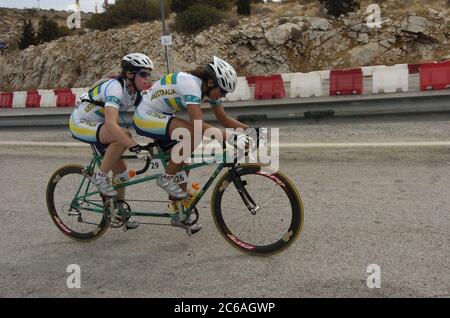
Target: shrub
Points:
(197, 17)
(179, 6)
(224, 5)
(28, 37)
(48, 30)
(336, 8)
(125, 12)
(243, 7)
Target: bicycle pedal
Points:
(190, 230)
(195, 228)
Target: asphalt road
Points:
(384, 205)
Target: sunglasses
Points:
(144, 74)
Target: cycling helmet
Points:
(134, 62)
(223, 74)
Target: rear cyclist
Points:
(96, 121)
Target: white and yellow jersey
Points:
(173, 93)
(111, 93)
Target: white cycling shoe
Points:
(168, 184)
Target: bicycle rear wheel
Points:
(276, 223)
(80, 218)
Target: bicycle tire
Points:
(55, 213)
(295, 202)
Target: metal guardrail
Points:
(317, 107)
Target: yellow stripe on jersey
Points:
(174, 104)
(89, 132)
(147, 124)
(96, 91)
(169, 79)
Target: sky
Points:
(86, 5)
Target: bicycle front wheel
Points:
(78, 216)
(277, 219)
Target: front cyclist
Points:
(185, 91)
(96, 121)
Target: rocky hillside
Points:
(11, 22)
(277, 38)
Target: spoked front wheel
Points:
(263, 217)
(77, 214)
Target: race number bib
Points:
(156, 166)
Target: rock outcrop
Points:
(259, 44)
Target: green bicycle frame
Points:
(82, 195)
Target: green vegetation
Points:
(125, 12)
(198, 17)
(48, 30)
(336, 8)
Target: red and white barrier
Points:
(385, 79)
(33, 99)
(390, 79)
(368, 70)
(324, 75)
(19, 99)
(435, 75)
(48, 98)
(346, 82)
(306, 85)
(6, 100)
(242, 91)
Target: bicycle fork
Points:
(245, 196)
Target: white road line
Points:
(281, 145)
(42, 144)
(367, 144)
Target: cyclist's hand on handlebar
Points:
(141, 152)
(259, 134)
(241, 141)
(253, 131)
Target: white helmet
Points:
(136, 61)
(223, 73)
